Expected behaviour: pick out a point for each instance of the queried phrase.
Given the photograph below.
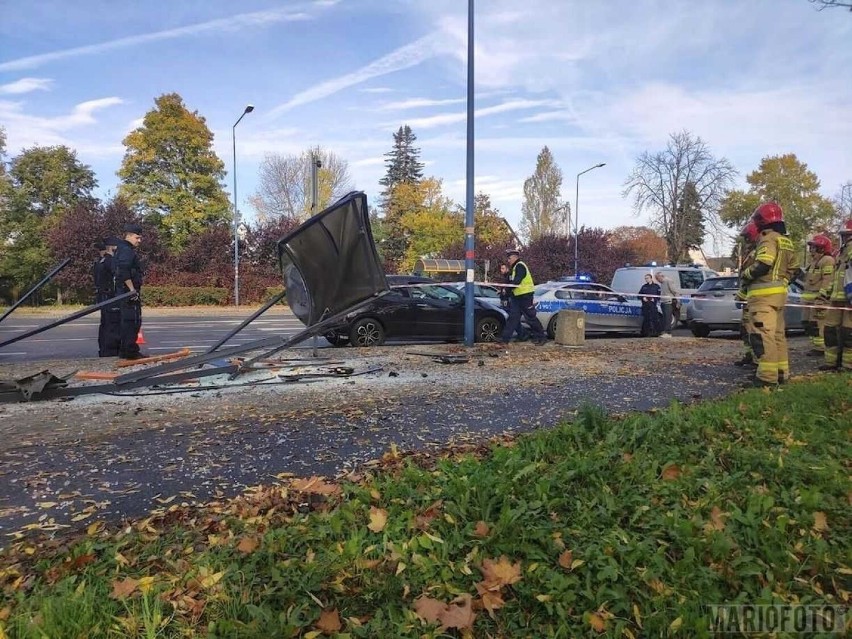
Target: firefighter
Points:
(837, 326)
(817, 278)
(110, 325)
(749, 235)
(766, 280)
(521, 302)
(128, 278)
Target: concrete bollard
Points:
(571, 328)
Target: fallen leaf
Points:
(675, 625)
(428, 609)
(717, 520)
(501, 572)
(247, 545)
(123, 588)
(82, 560)
(671, 472)
(145, 584)
(329, 621)
(316, 485)
(820, 521)
(597, 622)
(208, 581)
(565, 559)
(459, 614)
(378, 519)
(627, 457)
(491, 600)
(481, 529)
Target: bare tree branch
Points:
(658, 184)
(830, 4)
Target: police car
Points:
(606, 311)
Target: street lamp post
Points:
(248, 109)
(577, 218)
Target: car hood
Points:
(330, 263)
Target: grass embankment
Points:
(618, 527)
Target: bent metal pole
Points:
(70, 318)
(32, 291)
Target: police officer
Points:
(506, 299)
(128, 278)
(837, 329)
(766, 280)
(521, 301)
(817, 277)
(749, 234)
(108, 331)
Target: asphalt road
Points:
(163, 334)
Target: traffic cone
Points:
(140, 338)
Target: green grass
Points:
(742, 500)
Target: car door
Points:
(611, 312)
(439, 312)
(398, 313)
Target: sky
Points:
(594, 81)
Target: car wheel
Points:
(700, 330)
(336, 339)
(488, 329)
(367, 332)
(551, 328)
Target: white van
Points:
(686, 278)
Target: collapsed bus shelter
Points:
(429, 267)
(330, 268)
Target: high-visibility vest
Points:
(818, 277)
(844, 262)
(777, 252)
(526, 286)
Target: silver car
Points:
(714, 307)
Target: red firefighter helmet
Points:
(821, 243)
(750, 232)
(766, 214)
(846, 229)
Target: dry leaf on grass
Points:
(481, 530)
(671, 472)
(123, 588)
(500, 573)
(247, 545)
(378, 519)
(490, 599)
(820, 521)
(565, 559)
(329, 621)
(316, 485)
(597, 622)
(428, 609)
(459, 614)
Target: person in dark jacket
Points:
(128, 278)
(100, 247)
(649, 295)
(521, 301)
(109, 331)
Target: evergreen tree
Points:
(402, 162)
(689, 229)
(541, 213)
(170, 172)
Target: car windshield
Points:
(720, 284)
(691, 279)
(487, 291)
(434, 291)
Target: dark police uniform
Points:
(110, 326)
(126, 266)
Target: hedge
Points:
(185, 295)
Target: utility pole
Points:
(248, 109)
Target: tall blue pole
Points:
(469, 212)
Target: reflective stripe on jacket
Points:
(777, 252)
(526, 285)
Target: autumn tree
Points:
(842, 205)
(541, 211)
(429, 224)
(658, 184)
(170, 172)
(552, 256)
(642, 243)
(285, 190)
(43, 182)
(788, 181)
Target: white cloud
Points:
(417, 103)
(231, 23)
(452, 118)
(26, 85)
(376, 90)
(405, 57)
